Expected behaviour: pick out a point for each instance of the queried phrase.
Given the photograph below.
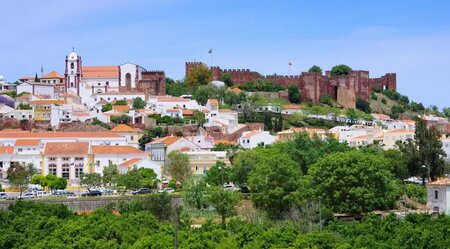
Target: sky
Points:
(407, 37)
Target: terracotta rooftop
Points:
(213, 101)
(188, 112)
(172, 110)
(123, 128)
(250, 134)
(445, 181)
(120, 108)
(66, 148)
(115, 149)
(296, 107)
(47, 102)
(58, 134)
(300, 129)
(14, 130)
(226, 110)
(24, 96)
(100, 71)
(6, 150)
(236, 90)
(166, 140)
(400, 131)
(130, 162)
(27, 142)
(224, 142)
(52, 75)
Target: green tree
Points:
(149, 135)
(22, 106)
(353, 182)
(315, 69)
(194, 192)
(243, 164)
(351, 114)
(271, 184)
(425, 155)
(138, 103)
(36, 78)
(123, 119)
(203, 93)
(19, 175)
(54, 182)
(175, 88)
(110, 174)
(178, 166)
(363, 105)
(107, 107)
(218, 174)
(40, 180)
(293, 94)
(224, 202)
(129, 181)
(91, 180)
(341, 70)
(326, 99)
(198, 75)
(120, 102)
(149, 178)
(226, 78)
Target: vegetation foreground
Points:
(141, 224)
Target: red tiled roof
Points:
(66, 148)
(58, 134)
(131, 162)
(213, 101)
(52, 75)
(250, 134)
(120, 108)
(166, 140)
(122, 128)
(115, 149)
(100, 71)
(188, 112)
(27, 142)
(6, 150)
(47, 102)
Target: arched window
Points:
(72, 65)
(78, 170)
(128, 81)
(65, 169)
(52, 169)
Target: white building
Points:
(21, 114)
(161, 147)
(251, 139)
(225, 119)
(43, 89)
(205, 143)
(202, 161)
(119, 154)
(161, 103)
(438, 196)
(392, 136)
(141, 163)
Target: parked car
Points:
(70, 194)
(41, 193)
(27, 195)
(142, 191)
(166, 190)
(228, 187)
(92, 193)
(3, 195)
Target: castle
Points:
(85, 81)
(345, 89)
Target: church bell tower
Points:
(73, 73)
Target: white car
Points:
(3, 195)
(27, 196)
(228, 187)
(42, 193)
(166, 190)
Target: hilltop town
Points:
(80, 121)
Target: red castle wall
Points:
(313, 85)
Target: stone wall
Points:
(84, 203)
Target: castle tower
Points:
(73, 72)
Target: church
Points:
(85, 81)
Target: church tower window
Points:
(72, 66)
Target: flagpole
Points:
(210, 57)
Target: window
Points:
(72, 65)
(436, 194)
(78, 170)
(65, 171)
(71, 84)
(132, 137)
(52, 169)
(97, 163)
(20, 150)
(52, 158)
(65, 159)
(79, 158)
(99, 83)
